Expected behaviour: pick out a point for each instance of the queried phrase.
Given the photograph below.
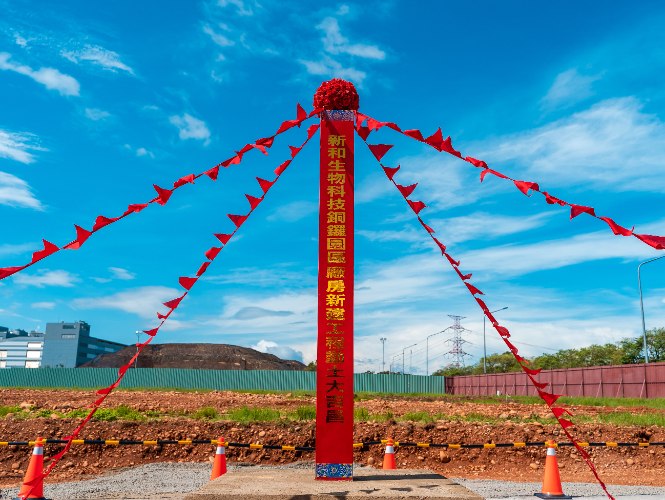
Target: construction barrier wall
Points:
(161, 378)
(629, 381)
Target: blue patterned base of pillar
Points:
(334, 471)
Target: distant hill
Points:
(196, 356)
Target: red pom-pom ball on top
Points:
(336, 94)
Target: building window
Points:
(68, 327)
(32, 364)
(68, 335)
(34, 345)
(3, 354)
(3, 364)
(33, 355)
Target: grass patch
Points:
(205, 413)
(361, 414)
(418, 416)
(6, 410)
(303, 413)
(121, 412)
(246, 414)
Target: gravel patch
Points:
(173, 480)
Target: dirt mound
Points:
(197, 356)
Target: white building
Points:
(20, 349)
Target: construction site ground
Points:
(205, 415)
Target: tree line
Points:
(626, 351)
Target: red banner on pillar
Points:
(334, 374)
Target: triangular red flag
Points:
(187, 179)
(237, 219)
(213, 252)
(427, 228)
(616, 228)
(391, 171)
(213, 172)
(473, 289)
(526, 186)
(379, 150)
(447, 146)
(203, 268)
(436, 140)
(49, 249)
(551, 200)
(363, 132)
(186, 282)
(406, 190)
(253, 201)
(416, 206)
(279, 170)
(475, 162)
(135, 208)
(152, 332)
(294, 151)
(416, 134)
(558, 411)
(531, 371)
(81, 236)
(312, 130)
(454, 262)
(301, 114)
(265, 185)
(548, 397)
(441, 246)
(8, 271)
(565, 423)
(102, 221)
(266, 141)
(224, 238)
(163, 195)
(658, 242)
(174, 303)
(576, 210)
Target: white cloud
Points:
(330, 68)
(51, 78)
(218, 38)
(553, 254)
(95, 114)
(7, 249)
(144, 152)
(190, 127)
(99, 56)
(17, 146)
(569, 87)
(335, 43)
(47, 278)
(143, 301)
(121, 274)
(43, 305)
(613, 143)
(242, 7)
(15, 192)
(294, 211)
(281, 351)
(20, 41)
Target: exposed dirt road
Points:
(645, 466)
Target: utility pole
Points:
(403, 351)
(383, 349)
(644, 328)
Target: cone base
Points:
(32, 498)
(550, 495)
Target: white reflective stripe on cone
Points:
(390, 449)
(551, 452)
(38, 450)
(220, 450)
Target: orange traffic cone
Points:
(219, 465)
(33, 484)
(389, 457)
(552, 480)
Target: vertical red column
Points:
(334, 371)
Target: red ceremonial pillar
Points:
(334, 371)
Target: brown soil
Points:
(643, 466)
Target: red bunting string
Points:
(187, 283)
(164, 194)
(547, 397)
(437, 141)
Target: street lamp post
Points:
(138, 341)
(639, 285)
(485, 340)
(403, 351)
(427, 349)
(383, 349)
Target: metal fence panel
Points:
(161, 378)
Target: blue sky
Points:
(97, 103)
